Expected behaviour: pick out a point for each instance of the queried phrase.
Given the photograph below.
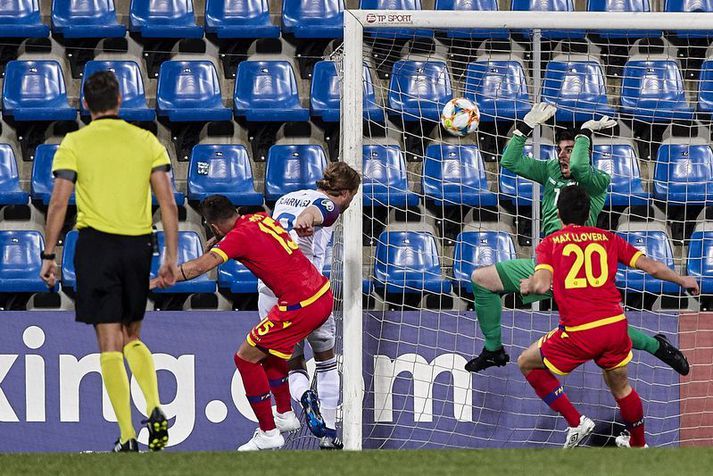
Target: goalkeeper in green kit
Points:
(571, 166)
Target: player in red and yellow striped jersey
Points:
(579, 264)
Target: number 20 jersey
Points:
(583, 261)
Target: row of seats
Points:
(405, 262)
(452, 175)
(309, 19)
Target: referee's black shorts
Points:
(112, 276)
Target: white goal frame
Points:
(352, 138)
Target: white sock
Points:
(299, 384)
(328, 391)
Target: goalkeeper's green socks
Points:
(641, 341)
(117, 386)
(488, 310)
(142, 368)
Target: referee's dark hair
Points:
(573, 205)
(217, 208)
(101, 91)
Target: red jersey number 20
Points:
(584, 258)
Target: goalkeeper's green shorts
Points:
(512, 271)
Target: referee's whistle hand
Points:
(48, 273)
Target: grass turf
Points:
(535, 462)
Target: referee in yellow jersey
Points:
(114, 166)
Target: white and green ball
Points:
(460, 117)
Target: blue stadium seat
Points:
(179, 197)
(131, 84)
(385, 182)
(499, 88)
(408, 262)
(189, 91)
(622, 6)
(653, 91)
(700, 259)
(42, 179)
(222, 169)
(454, 175)
(86, 19)
(266, 91)
(35, 91)
(549, 6)
(395, 5)
(69, 276)
(189, 247)
(684, 174)
(20, 264)
(10, 191)
(293, 167)
(654, 244)
(325, 94)
(705, 90)
(517, 189)
(234, 276)
(620, 162)
(690, 6)
(240, 19)
(578, 89)
(476, 249)
(419, 90)
(164, 19)
(471, 5)
(21, 19)
(313, 18)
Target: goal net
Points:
(436, 206)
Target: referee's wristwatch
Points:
(47, 256)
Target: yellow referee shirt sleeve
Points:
(158, 152)
(64, 158)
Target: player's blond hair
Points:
(339, 176)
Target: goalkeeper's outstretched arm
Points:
(513, 159)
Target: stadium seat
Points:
(408, 262)
(654, 244)
(21, 19)
(699, 262)
(385, 181)
(476, 249)
(419, 90)
(240, 19)
(499, 87)
(21, 263)
(42, 179)
(653, 91)
(705, 90)
(325, 94)
(578, 88)
(189, 91)
(518, 190)
(395, 5)
(549, 6)
(234, 276)
(69, 276)
(684, 174)
(266, 91)
(620, 162)
(131, 84)
(454, 175)
(35, 91)
(178, 197)
(10, 191)
(222, 169)
(164, 19)
(470, 5)
(293, 167)
(313, 18)
(189, 247)
(690, 6)
(86, 19)
(622, 6)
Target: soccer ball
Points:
(460, 117)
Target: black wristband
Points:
(587, 133)
(183, 273)
(523, 128)
(46, 256)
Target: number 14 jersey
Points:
(583, 262)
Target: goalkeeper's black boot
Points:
(157, 425)
(330, 441)
(129, 446)
(488, 358)
(671, 355)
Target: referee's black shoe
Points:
(158, 430)
(488, 358)
(671, 355)
(129, 446)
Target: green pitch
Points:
(535, 462)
